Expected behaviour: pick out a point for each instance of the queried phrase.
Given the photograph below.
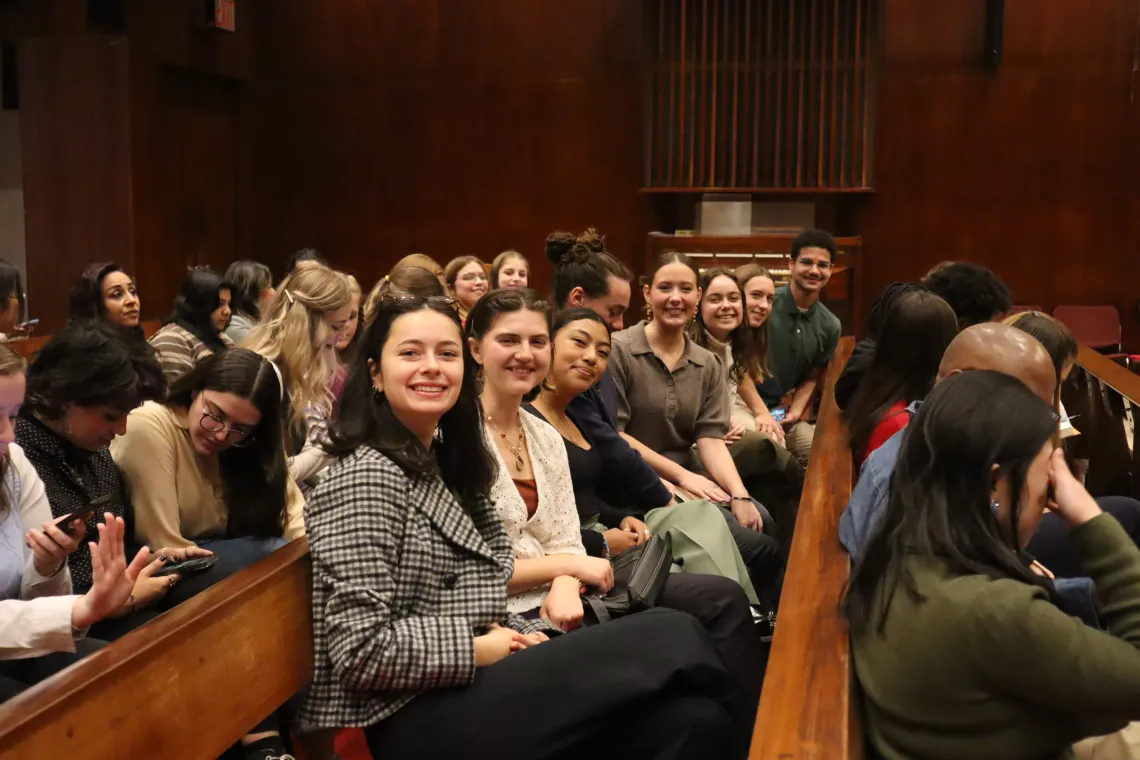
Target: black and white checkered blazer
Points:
(403, 580)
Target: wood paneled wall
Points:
(1031, 171)
(759, 95)
(451, 128)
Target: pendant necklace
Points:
(517, 449)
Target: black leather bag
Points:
(639, 575)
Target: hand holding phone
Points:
(195, 565)
(83, 514)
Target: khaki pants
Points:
(797, 439)
(1122, 745)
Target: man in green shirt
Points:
(803, 334)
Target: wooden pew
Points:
(187, 685)
(808, 710)
(29, 347)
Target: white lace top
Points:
(555, 528)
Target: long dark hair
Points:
(254, 477)
(745, 358)
(582, 261)
(458, 456)
(915, 334)
(941, 490)
(499, 302)
(248, 280)
(199, 297)
(87, 364)
(12, 285)
(88, 302)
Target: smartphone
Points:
(779, 413)
(26, 325)
(196, 565)
(85, 513)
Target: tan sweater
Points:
(990, 668)
(176, 492)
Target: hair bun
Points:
(560, 247)
(592, 240)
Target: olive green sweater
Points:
(990, 668)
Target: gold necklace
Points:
(562, 423)
(517, 449)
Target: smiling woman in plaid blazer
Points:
(412, 638)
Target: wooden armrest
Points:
(185, 686)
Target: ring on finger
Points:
(172, 580)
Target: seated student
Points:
(105, 291)
(914, 336)
(196, 328)
(252, 285)
(864, 351)
(803, 335)
(985, 346)
(1051, 540)
(43, 625)
(298, 333)
(39, 615)
(586, 275)
(768, 470)
(12, 302)
(207, 467)
(973, 291)
(466, 282)
(959, 648)
(614, 521)
(509, 336)
(509, 270)
(759, 293)
(413, 639)
(79, 392)
(673, 397)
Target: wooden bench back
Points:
(185, 686)
(29, 347)
(808, 710)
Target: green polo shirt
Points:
(798, 342)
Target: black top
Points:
(588, 471)
(73, 478)
(635, 483)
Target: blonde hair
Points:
(419, 260)
(354, 290)
(292, 334)
(11, 363)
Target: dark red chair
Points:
(1094, 326)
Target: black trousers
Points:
(18, 675)
(721, 607)
(761, 554)
(1051, 546)
(646, 686)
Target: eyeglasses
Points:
(474, 277)
(806, 262)
(212, 423)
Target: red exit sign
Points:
(225, 14)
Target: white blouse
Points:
(555, 527)
(35, 610)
